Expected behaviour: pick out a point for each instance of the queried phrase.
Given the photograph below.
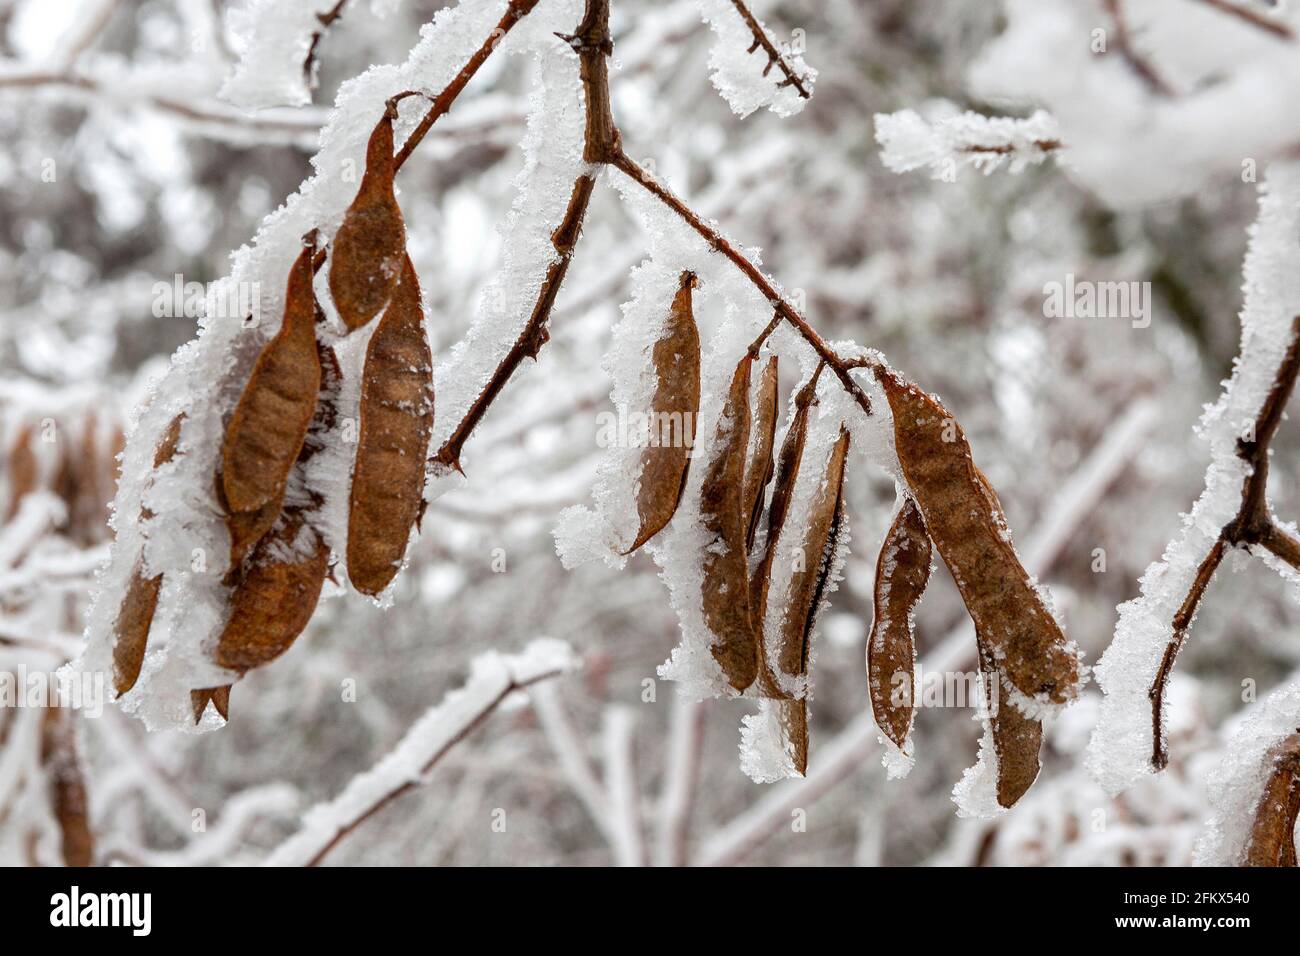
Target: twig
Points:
(326, 20)
(677, 799)
(1253, 524)
(1124, 43)
(1253, 17)
(774, 56)
(621, 784)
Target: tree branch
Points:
(1253, 17)
(774, 56)
(1124, 43)
(1253, 524)
(326, 20)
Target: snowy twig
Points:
(685, 741)
(1253, 17)
(907, 141)
(493, 678)
(621, 783)
(326, 20)
(1124, 43)
(774, 56)
(568, 749)
(1253, 524)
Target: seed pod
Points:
(266, 431)
(135, 616)
(67, 787)
(787, 472)
(758, 473)
(902, 572)
(366, 260)
(396, 420)
(276, 595)
(673, 410)
(1272, 835)
(1016, 737)
(726, 568)
(24, 471)
(966, 525)
(219, 696)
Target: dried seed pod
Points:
(266, 431)
(1016, 737)
(366, 260)
(67, 787)
(219, 696)
(1272, 835)
(396, 421)
(276, 595)
(968, 529)
(24, 471)
(902, 572)
(135, 616)
(758, 473)
(787, 472)
(673, 410)
(726, 568)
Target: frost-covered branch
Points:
(1249, 15)
(774, 56)
(909, 142)
(493, 678)
(1140, 65)
(677, 799)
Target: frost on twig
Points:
(908, 142)
(277, 44)
(493, 678)
(1232, 511)
(749, 66)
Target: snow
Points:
(1120, 751)
(738, 74)
(1236, 785)
(273, 39)
(944, 143)
(493, 677)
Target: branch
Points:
(1253, 524)
(493, 678)
(620, 777)
(774, 56)
(326, 20)
(685, 741)
(1124, 43)
(1253, 17)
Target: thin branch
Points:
(677, 799)
(774, 56)
(1253, 524)
(1253, 17)
(621, 785)
(326, 20)
(1124, 43)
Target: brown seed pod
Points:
(758, 473)
(673, 410)
(1272, 835)
(219, 696)
(902, 572)
(787, 472)
(966, 525)
(1016, 737)
(726, 568)
(366, 260)
(276, 595)
(266, 431)
(67, 787)
(135, 615)
(396, 421)
(24, 470)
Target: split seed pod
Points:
(966, 525)
(758, 473)
(266, 431)
(366, 260)
(135, 615)
(726, 567)
(219, 696)
(396, 421)
(1272, 837)
(787, 472)
(1016, 738)
(673, 410)
(902, 572)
